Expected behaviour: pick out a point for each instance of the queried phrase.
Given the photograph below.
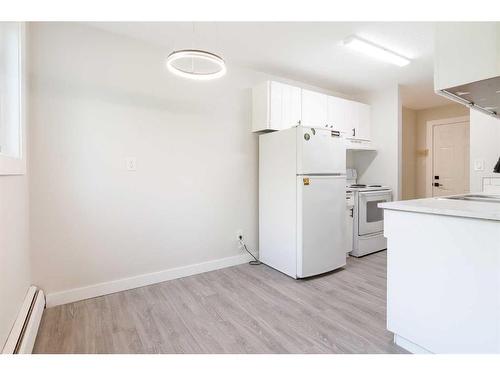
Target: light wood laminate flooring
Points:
(241, 309)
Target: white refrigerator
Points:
(302, 182)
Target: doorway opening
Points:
(448, 161)
(435, 151)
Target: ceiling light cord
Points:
(194, 61)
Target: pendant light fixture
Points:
(196, 64)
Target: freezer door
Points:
(321, 225)
(320, 151)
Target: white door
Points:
(371, 216)
(314, 109)
(321, 224)
(450, 159)
(320, 151)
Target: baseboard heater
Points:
(23, 334)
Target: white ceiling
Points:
(308, 51)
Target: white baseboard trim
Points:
(31, 330)
(410, 346)
(96, 290)
(23, 333)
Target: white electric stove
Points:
(367, 218)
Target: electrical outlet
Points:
(239, 234)
(479, 165)
(131, 164)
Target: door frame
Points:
(429, 146)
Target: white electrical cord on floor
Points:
(255, 262)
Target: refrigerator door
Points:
(320, 151)
(321, 224)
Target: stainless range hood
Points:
(467, 64)
(482, 95)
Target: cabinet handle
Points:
(353, 132)
(299, 122)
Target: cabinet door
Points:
(314, 109)
(363, 122)
(352, 120)
(276, 106)
(291, 106)
(338, 115)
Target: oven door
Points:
(371, 217)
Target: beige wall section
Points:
(409, 153)
(14, 251)
(422, 116)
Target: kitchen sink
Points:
(475, 197)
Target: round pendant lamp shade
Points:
(196, 64)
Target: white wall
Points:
(484, 146)
(383, 166)
(14, 249)
(98, 98)
(14, 256)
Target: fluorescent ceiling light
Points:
(377, 52)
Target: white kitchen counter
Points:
(448, 207)
(443, 275)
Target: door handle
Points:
(437, 184)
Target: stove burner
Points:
(357, 186)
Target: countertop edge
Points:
(394, 206)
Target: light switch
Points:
(479, 165)
(131, 164)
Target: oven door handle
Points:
(370, 194)
(377, 192)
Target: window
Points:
(12, 155)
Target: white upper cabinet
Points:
(291, 105)
(314, 109)
(276, 106)
(349, 117)
(339, 115)
(356, 121)
(363, 122)
(465, 52)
